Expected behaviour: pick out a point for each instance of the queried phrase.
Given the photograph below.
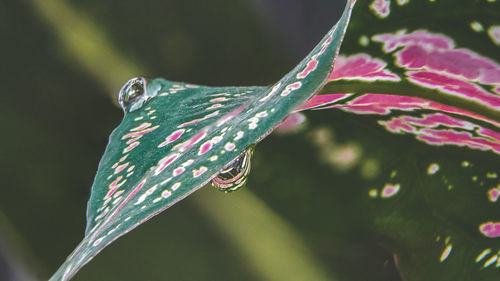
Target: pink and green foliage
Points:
(420, 72)
(176, 137)
(430, 73)
(426, 81)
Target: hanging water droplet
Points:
(132, 94)
(234, 176)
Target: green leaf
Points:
(175, 137)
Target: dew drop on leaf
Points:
(234, 176)
(131, 95)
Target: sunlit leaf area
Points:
(389, 172)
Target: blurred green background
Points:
(58, 107)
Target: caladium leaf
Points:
(427, 80)
(175, 137)
(436, 80)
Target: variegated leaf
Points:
(440, 83)
(175, 137)
(429, 70)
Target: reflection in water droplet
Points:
(131, 95)
(234, 176)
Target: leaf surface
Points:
(438, 82)
(181, 137)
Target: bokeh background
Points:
(62, 63)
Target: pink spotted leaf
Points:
(176, 137)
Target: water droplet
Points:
(234, 176)
(132, 94)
